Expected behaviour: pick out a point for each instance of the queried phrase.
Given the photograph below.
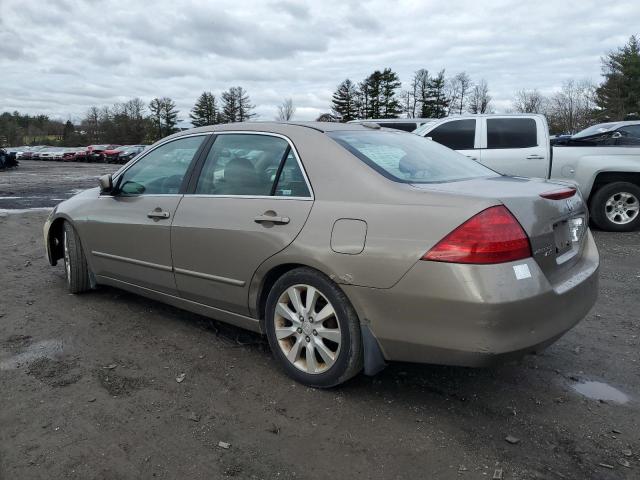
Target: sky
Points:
(59, 57)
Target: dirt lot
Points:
(88, 387)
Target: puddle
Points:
(44, 349)
(600, 391)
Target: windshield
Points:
(596, 129)
(407, 158)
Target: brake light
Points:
(559, 194)
(491, 236)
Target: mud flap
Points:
(373, 358)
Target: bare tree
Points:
(458, 90)
(572, 108)
(286, 110)
(529, 101)
(479, 99)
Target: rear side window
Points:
(457, 134)
(511, 133)
(291, 182)
(408, 158)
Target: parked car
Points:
(405, 124)
(47, 153)
(620, 134)
(122, 154)
(7, 159)
(608, 176)
(346, 245)
(95, 153)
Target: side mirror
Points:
(106, 183)
(616, 135)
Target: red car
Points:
(95, 153)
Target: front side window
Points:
(408, 158)
(161, 171)
(249, 164)
(457, 134)
(511, 133)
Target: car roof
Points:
(276, 127)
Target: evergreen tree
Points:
(68, 134)
(164, 117)
(236, 106)
(155, 107)
(389, 103)
(619, 94)
(436, 104)
(345, 100)
(378, 95)
(169, 116)
(205, 111)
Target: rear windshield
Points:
(408, 158)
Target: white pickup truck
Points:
(608, 175)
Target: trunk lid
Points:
(556, 228)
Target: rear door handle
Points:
(158, 214)
(271, 218)
(535, 157)
(472, 158)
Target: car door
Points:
(461, 135)
(129, 231)
(515, 146)
(250, 200)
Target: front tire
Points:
(75, 262)
(313, 329)
(615, 207)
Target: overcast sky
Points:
(59, 57)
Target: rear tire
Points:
(75, 262)
(313, 329)
(615, 207)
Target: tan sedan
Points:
(347, 245)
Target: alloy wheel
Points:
(622, 208)
(307, 329)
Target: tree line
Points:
(578, 104)
(128, 123)
(380, 95)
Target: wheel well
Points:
(268, 281)
(55, 239)
(604, 178)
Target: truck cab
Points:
(603, 161)
(510, 144)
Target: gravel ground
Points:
(88, 386)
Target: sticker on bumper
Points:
(522, 271)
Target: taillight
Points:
(491, 236)
(560, 194)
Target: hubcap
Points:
(307, 329)
(67, 258)
(622, 208)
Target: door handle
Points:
(472, 158)
(158, 214)
(535, 157)
(271, 218)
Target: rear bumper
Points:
(476, 315)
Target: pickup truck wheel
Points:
(615, 207)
